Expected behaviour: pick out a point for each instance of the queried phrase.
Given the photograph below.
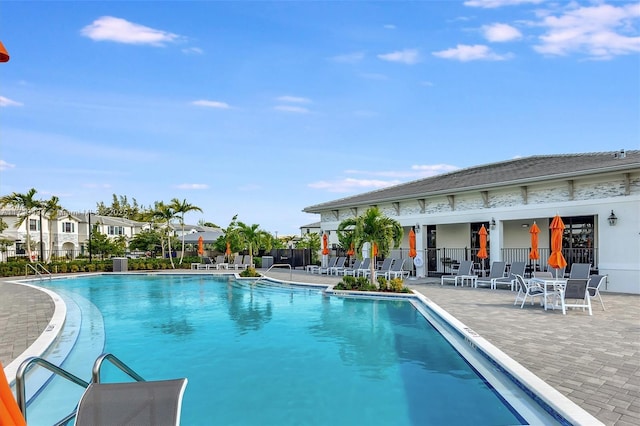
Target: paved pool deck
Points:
(593, 360)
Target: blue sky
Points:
(264, 108)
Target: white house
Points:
(596, 194)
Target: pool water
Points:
(280, 355)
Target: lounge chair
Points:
(220, 262)
(464, 270)
(397, 270)
(384, 268)
(238, 262)
(324, 270)
(495, 273)
(339, 266)
(517, 268)
(364, 266)
(206, 263)
(352, 270)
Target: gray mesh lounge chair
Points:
(517, 268)
(360, 270)
(155, 403)
(464, 270)
(495, 273)
(352, 270)
(397, 270)
(580, 271)
(331, 264)
(384, 268)
(339, 266)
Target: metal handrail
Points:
(273, 266)
(97, 365)
(35, 270)
(21, 394)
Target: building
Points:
(596, 194)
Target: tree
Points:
(51, 208)
(147, 240)
(180, 208)
(251, 236)
(101, 243)
(165, 214)
(27, 205)
(310, 241)
(376, 229)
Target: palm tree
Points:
(374, 228)
(51, 208)
(252, 236)
(27, 205)
(166, 214)
(180, 208)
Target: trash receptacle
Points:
(267, 262)
(120, 264)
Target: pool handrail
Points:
(97, 365)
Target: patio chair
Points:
(517, 268)
(557, 272)
(384, 268)
(206, 263)
(496, 272)
(352, 270)
(142, 403)
(220, 262)
(238, 262)
(397, 270)
(364, 266)
(331, 264)
(526, 289)
(593, 287)
(339, 266)
(543, 274)
(574, 290)
(580, 271)
(464, 270)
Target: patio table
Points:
(546, 284)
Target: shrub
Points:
(249, 273)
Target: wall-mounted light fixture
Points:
(417, 227)
(525, 225)
(613, 219)
(493, 223)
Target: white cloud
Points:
(492, 4)
(349, 58)
(6, 166)
(109, 28)
(352, 185)
(406, 56)
(465, 53)
(389, 27)
(601, 31)
(426, 83)
(192, 51)
(6, 102)
(211, 104)
(294, 99)
(416, 171)
(192, 186)
(291, 108)
(501, 32)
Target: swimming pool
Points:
(277, 354)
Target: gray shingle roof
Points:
(519, 171)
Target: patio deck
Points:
(593, 360)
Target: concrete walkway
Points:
(593, 360)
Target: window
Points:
(34, 225)
(68, 227)
(116, 230)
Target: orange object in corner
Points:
(10, 414)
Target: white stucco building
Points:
(596, 194)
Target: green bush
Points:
(249, 273)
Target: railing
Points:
(21, 393)
(34, 267)
(95, 378)
(280, 265)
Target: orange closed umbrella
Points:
(4, 55)
(533, 254)
(200, 245)
(375, 249)
(557, 260)
(325, 244)
(412, 244)
(482, 253)
(351, 251)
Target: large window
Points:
(34, 225)
(578, 240)
(116, 230)
(68, 227)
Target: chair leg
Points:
(601, 302)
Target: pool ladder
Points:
(95, 378)
(273, 266)
(36, 270)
